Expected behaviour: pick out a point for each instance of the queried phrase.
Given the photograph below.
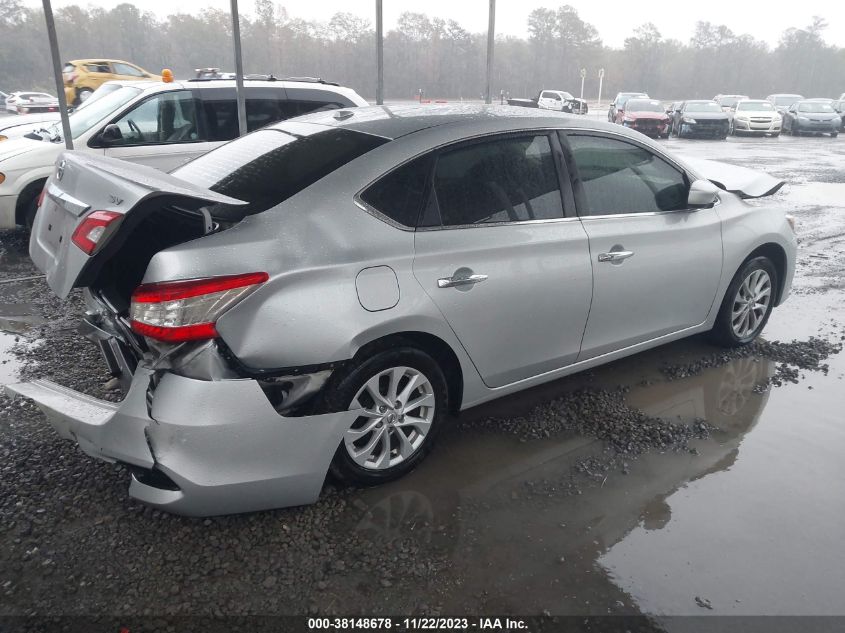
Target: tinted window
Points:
(619, 177)
(505, 180)
(169, 117)
(269, 166)
(399, 194)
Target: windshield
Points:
(755, 106)
(83, 119)
(269, 166)
(787, 100)
(728, 102)
(640, 105)
(814, 107)
(702, 106)
(98, 94)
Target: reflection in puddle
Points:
(522, 531)
(16, 319)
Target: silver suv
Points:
(323, 292)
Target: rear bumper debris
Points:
(210, 447)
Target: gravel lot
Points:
(512, 513)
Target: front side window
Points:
(618, 178)
(169, 117)
(509, 179)
(126, 69)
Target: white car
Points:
(154, 123)
(728, 101)
(754, 116)
(38, 101)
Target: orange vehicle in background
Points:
(83, 76)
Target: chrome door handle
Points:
(615, 256)
(452, 282)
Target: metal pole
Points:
(57, 72)
(601, 80)
(583, 76)
(491, 37)
(379, 53)
(239, 69)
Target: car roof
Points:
(188, 84)
(394, 121)
(100, 59)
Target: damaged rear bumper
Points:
(215, 447)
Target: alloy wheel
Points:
(751, 303)
(397, 413)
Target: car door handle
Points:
(452, 282)
(615, 256)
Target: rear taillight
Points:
(95, 230)
(178, 311)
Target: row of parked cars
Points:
(728, 115)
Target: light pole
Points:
(57, 72)
(583, 76)
(379, 53)
(601, 80)
(491, 36)
(239, 69)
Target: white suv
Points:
(162, 125)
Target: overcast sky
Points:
(615, 19)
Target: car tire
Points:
(756, 280)
(834, 134)
(348, 389)
(29, 213)
(82, 95)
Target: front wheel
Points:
(834, 134)
(82, 94)
(402, 398)
(747, 305)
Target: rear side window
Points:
(268, 167)
(509, 179)
(399, 195)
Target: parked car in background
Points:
(647, 116)
(159, 124)
(560, 101)
(617, 106)
(37, 101)
(755, 116)
(782, 101)
(83, 76)
(816, 117)
(839, 106)
(726, 102)
(700, 118)
(325, 316)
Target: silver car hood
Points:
(744, 182)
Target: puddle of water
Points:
(761, 534)
(9, 365)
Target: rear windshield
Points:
(728, 102)
(267, 167)
(640, 105)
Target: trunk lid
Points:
(81, 184)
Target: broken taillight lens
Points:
(94, 230)
(177, 311)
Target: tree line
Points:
(437, 56)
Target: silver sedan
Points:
(321, 294)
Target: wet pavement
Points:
(745, 518)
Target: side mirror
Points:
(110, 134)
(702, 194)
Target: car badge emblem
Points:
(60, 170)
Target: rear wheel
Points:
(747, 305)
(834, 134)
(82, 94)
(402, 397)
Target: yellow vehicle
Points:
(84, 76)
